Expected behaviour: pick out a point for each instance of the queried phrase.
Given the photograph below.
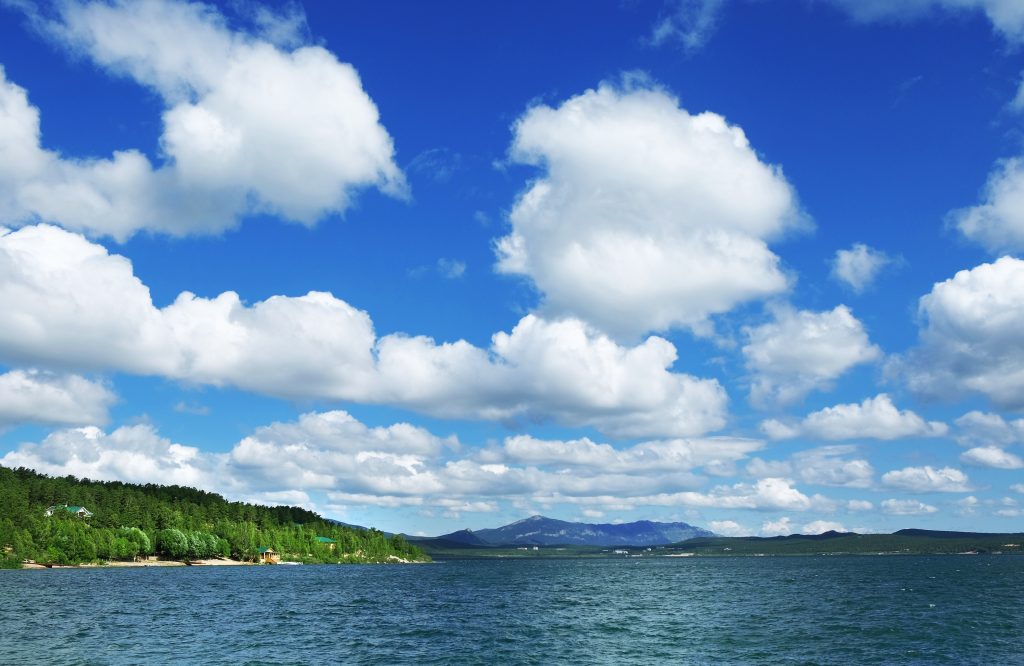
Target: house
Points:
(268, 556)
(324, 541)
(79, 511)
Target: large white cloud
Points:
(66, 302)
(29, 396)
(801, 351)
(998, 223)
(970, 338)
(331, 454)
(248, 125)
(877, 418)
(927, 479)
(646, 217)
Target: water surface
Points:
(795, 610)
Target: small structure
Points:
(79, 511)
(324, 541)
(268, 556)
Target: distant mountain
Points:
(541, 531)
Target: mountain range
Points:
(542, 531)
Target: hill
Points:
(541, 531)
(65, 520)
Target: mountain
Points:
(541, 531)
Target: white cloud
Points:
(906, 507)
(984, 428)
(646, 217)
(859, 266)
(690, 23)
(992, 456)
(967, 506)
(30, 396)
(331, 454)
(823, 466)
(656, 456)
(1018, 488)
(781, 527)
(229, 147)
(801, 351)
(826, 466)
(970, 337)
(822, 526)
(1006, 16)
(135, 454)
(66, 302)
(927, 480)
(859, 505)
(877, 418)
(728, 528)
(998, 223)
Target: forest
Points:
(128, 522)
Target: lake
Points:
(790, 610)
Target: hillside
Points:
(913, 541)
(124, 521)
(541, 531)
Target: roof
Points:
(321, 539)
(266, 550)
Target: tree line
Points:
(132, 521)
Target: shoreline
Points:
(213, 562)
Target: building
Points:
(324, 541)
(268, 556)
(79, 511)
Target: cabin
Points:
(79, 511)
(324, 541)
(268, 556)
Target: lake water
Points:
(798, 610)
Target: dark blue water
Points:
(800, 610)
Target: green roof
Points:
(321, 539)
(266, 550)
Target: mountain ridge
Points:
(539, 530)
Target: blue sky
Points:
(751, 264)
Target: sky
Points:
(754, 265)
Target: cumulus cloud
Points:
(332, 455)
(781, 527)
(31, 396)
(655, 456)
(66, 302)
(997, 224)
(801, 351)
(927, 480)
(906, 507)
(877, 418)
(859, 266)
(728, 528)
(822, 526)
(985, 428)
(823, 466)
(228, 147)
(991, 456)
(135, 454)
(645, 217)
(970, 338)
